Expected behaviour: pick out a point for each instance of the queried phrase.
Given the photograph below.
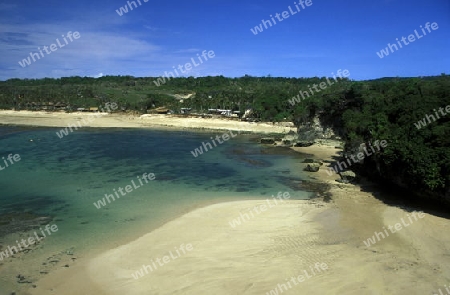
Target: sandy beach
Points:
(280, 250)
(105, 120)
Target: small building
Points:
(225, 113)
(185, 110)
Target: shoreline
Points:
(150, 121)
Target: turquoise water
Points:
(62, 178)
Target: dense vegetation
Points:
(359, 111)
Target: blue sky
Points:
(157, 35)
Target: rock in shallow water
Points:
(267, 140)
(304, 143)
(313, 167)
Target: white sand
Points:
(270, 248)
(61, 119)
(251, 258)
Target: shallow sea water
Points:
(62, 178)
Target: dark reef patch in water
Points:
(255, 162)
(282, 151)
(241, 189)
(21, 222)
(250, 157)
(38, 205)
(319, 188)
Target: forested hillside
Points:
(411, 114)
